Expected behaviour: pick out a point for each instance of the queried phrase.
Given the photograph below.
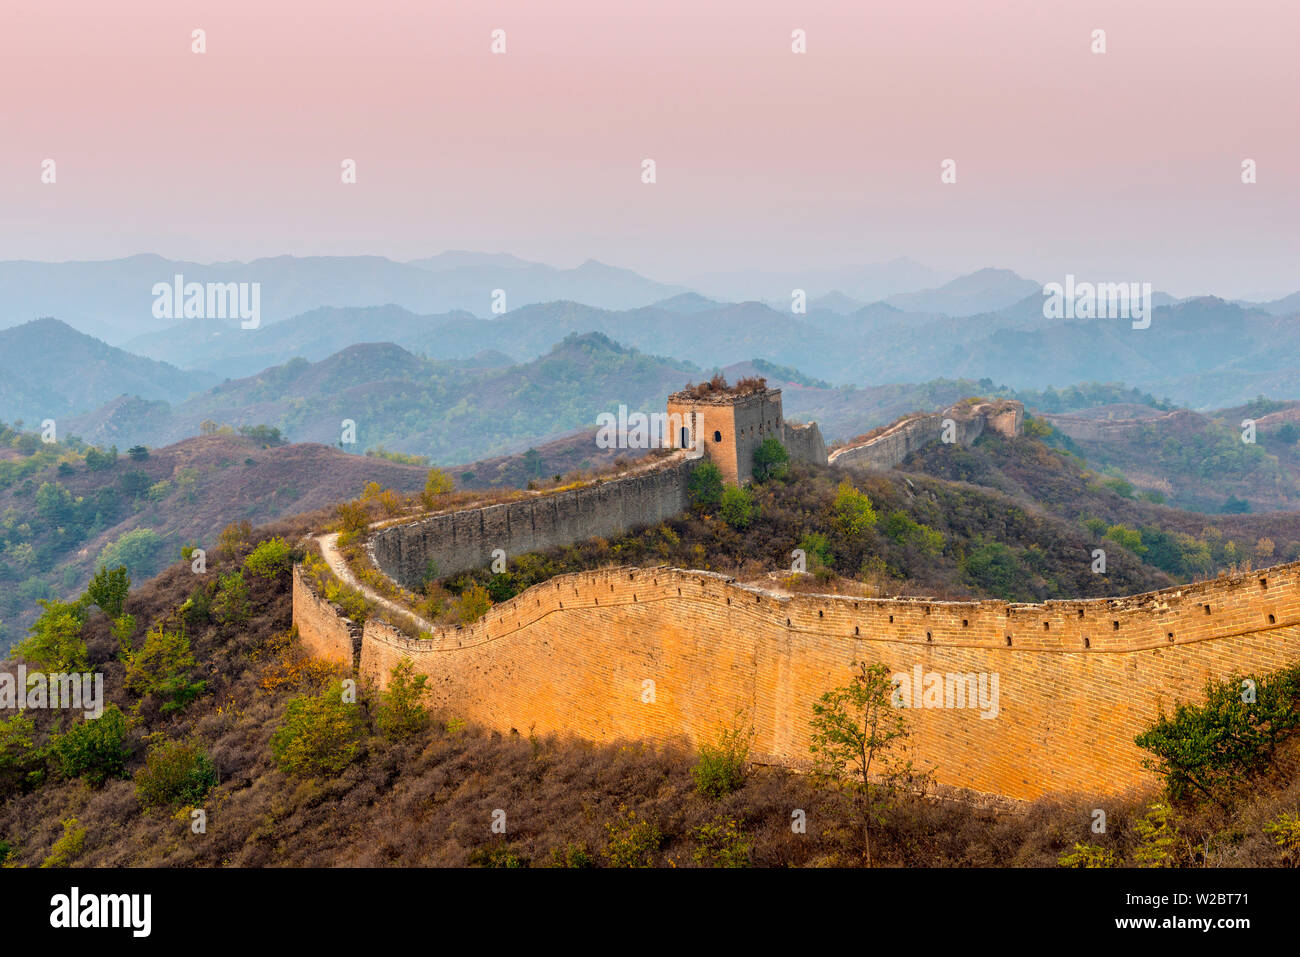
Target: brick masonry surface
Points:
(1077, 679)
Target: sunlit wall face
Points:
(1126, 163)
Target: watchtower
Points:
(728, 423)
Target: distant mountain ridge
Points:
(113, 300)
(50, 370)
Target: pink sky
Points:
(1125, 164)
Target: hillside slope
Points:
(50, 370)
(58, 523)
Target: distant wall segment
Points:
(892, 445)
(463, 540)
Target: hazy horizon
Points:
(1123, 164)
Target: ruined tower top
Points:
(728, 423)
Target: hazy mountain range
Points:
(113, 300)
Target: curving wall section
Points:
(669, 654)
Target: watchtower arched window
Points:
(717, 436)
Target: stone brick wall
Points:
(461, 540)
(805, 443)
(1076, 679)
(886, 450)
(322, 627)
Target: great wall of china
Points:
(669, 654)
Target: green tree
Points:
(108, 590)
(1126, 537)
(231, 605)
(138, 453)
(94, 749)
(857, 736)
(738, 508)
(137, 550)
(995, 568)
(320, 735)
(771, 460)
(270, 559)
(817, 549)
(1213, 750)
(55, 643)
(704, 487)
(53, 503)
(533, 464)
(1285, 832)
(401, 712)
(22, 760)
(854, 514)
(163, 667)
(99, 461)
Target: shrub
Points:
(1120, 486)
(353, 521)
(771, 460)
(738, 507)
(134, 483)
(98, 461)
(721, 843)
(1126, 537)
(721, 767)
(572, 855)
(94, 749)
(197, 609)
(472, 604)
(496, 855)
(269, 559)
(438, 484)
(401, 711)
(1157, 834)
(234, 538)
(704, 487)
(138, 453)
(633, 840)
(69, 845)
(905, 530)
(321, 734)
(1088, 855)
(159, 491)
(995, 568)
(1285, 832)
(54, 503)
(176, 774)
